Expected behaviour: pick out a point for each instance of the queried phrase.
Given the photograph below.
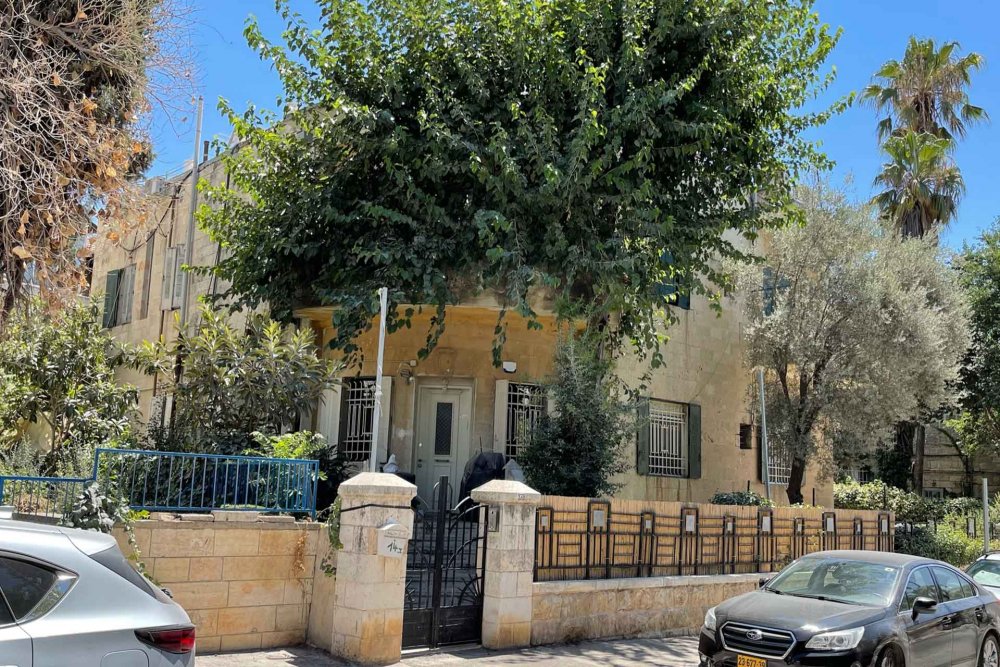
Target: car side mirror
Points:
(763, 581)
(923, 605)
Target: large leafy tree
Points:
(978, 423)
(592, 148)
(58, 387)
(855, 329)
(72, 91)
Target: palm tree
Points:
(921, 186)
(926, 91)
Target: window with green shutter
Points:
(669, 439)
(111, 298)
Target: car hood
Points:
(803, 616)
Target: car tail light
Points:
(171, 640)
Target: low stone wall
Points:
(569, 611)
(245, 581)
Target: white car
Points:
(70, 598)
(985, 571)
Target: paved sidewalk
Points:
(677, 652)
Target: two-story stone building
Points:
(442, 410)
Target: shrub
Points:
(333, 467)
(578, 450)
(741, 498)
(948, 541)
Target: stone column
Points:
(371, 568)
(510, 560)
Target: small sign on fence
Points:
(391, 547)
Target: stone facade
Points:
(703, 365)
(245, 584)
(944, 469)
(570, 611)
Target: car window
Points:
(920, 585)
(949, 583)
(24, 584)
(844, 580)
(985, 572)
(5, 616)
(967, 590)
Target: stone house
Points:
(445, 409)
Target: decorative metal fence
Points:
(176, 481)
(577, 538)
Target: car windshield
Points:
(837, 579)
(985, 572)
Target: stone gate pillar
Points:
(376, 523)
(510, 560)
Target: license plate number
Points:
(747, 661)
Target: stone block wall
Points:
(569, 611)
(245, 584)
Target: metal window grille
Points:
(779, 467)
(668, 439)
(526, 403)
(356, 413)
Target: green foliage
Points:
(594, 149)
(99, 507)
(238, 381)
(751, 498)
(578, 450)
(946, 541)
(857, 331)
(57, 383)
(334, 468)
(333, 534)
(978, 423)
(905, 505)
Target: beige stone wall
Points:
(165, 227)
(569, 611)
(944, 469)
(244, 584)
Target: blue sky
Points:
(874, 31)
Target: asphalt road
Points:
(674, 652)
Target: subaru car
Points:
(70, 597)
(857, 609)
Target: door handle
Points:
(947, 620)
(980, 612)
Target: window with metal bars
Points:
(357, 410)
(668, 439)
(779, 466)
(526, 403)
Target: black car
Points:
(857, 609)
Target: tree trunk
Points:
(795, 477)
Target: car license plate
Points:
(747, 661)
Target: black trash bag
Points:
(480, 469)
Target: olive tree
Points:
(855, 328)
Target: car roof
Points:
(878, 557)
(87, 541)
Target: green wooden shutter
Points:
(111, 298)
(694, 441)
(642, 437)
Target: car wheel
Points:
(989, 656)
(890, 658)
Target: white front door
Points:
(442, 443)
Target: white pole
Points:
(383, 295)
(764, 471)
(986, 515)
(189, 247)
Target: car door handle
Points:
(980, 613)
(947, 620)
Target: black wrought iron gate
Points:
(444, 573)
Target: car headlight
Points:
(841, 640)
(710, 619)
